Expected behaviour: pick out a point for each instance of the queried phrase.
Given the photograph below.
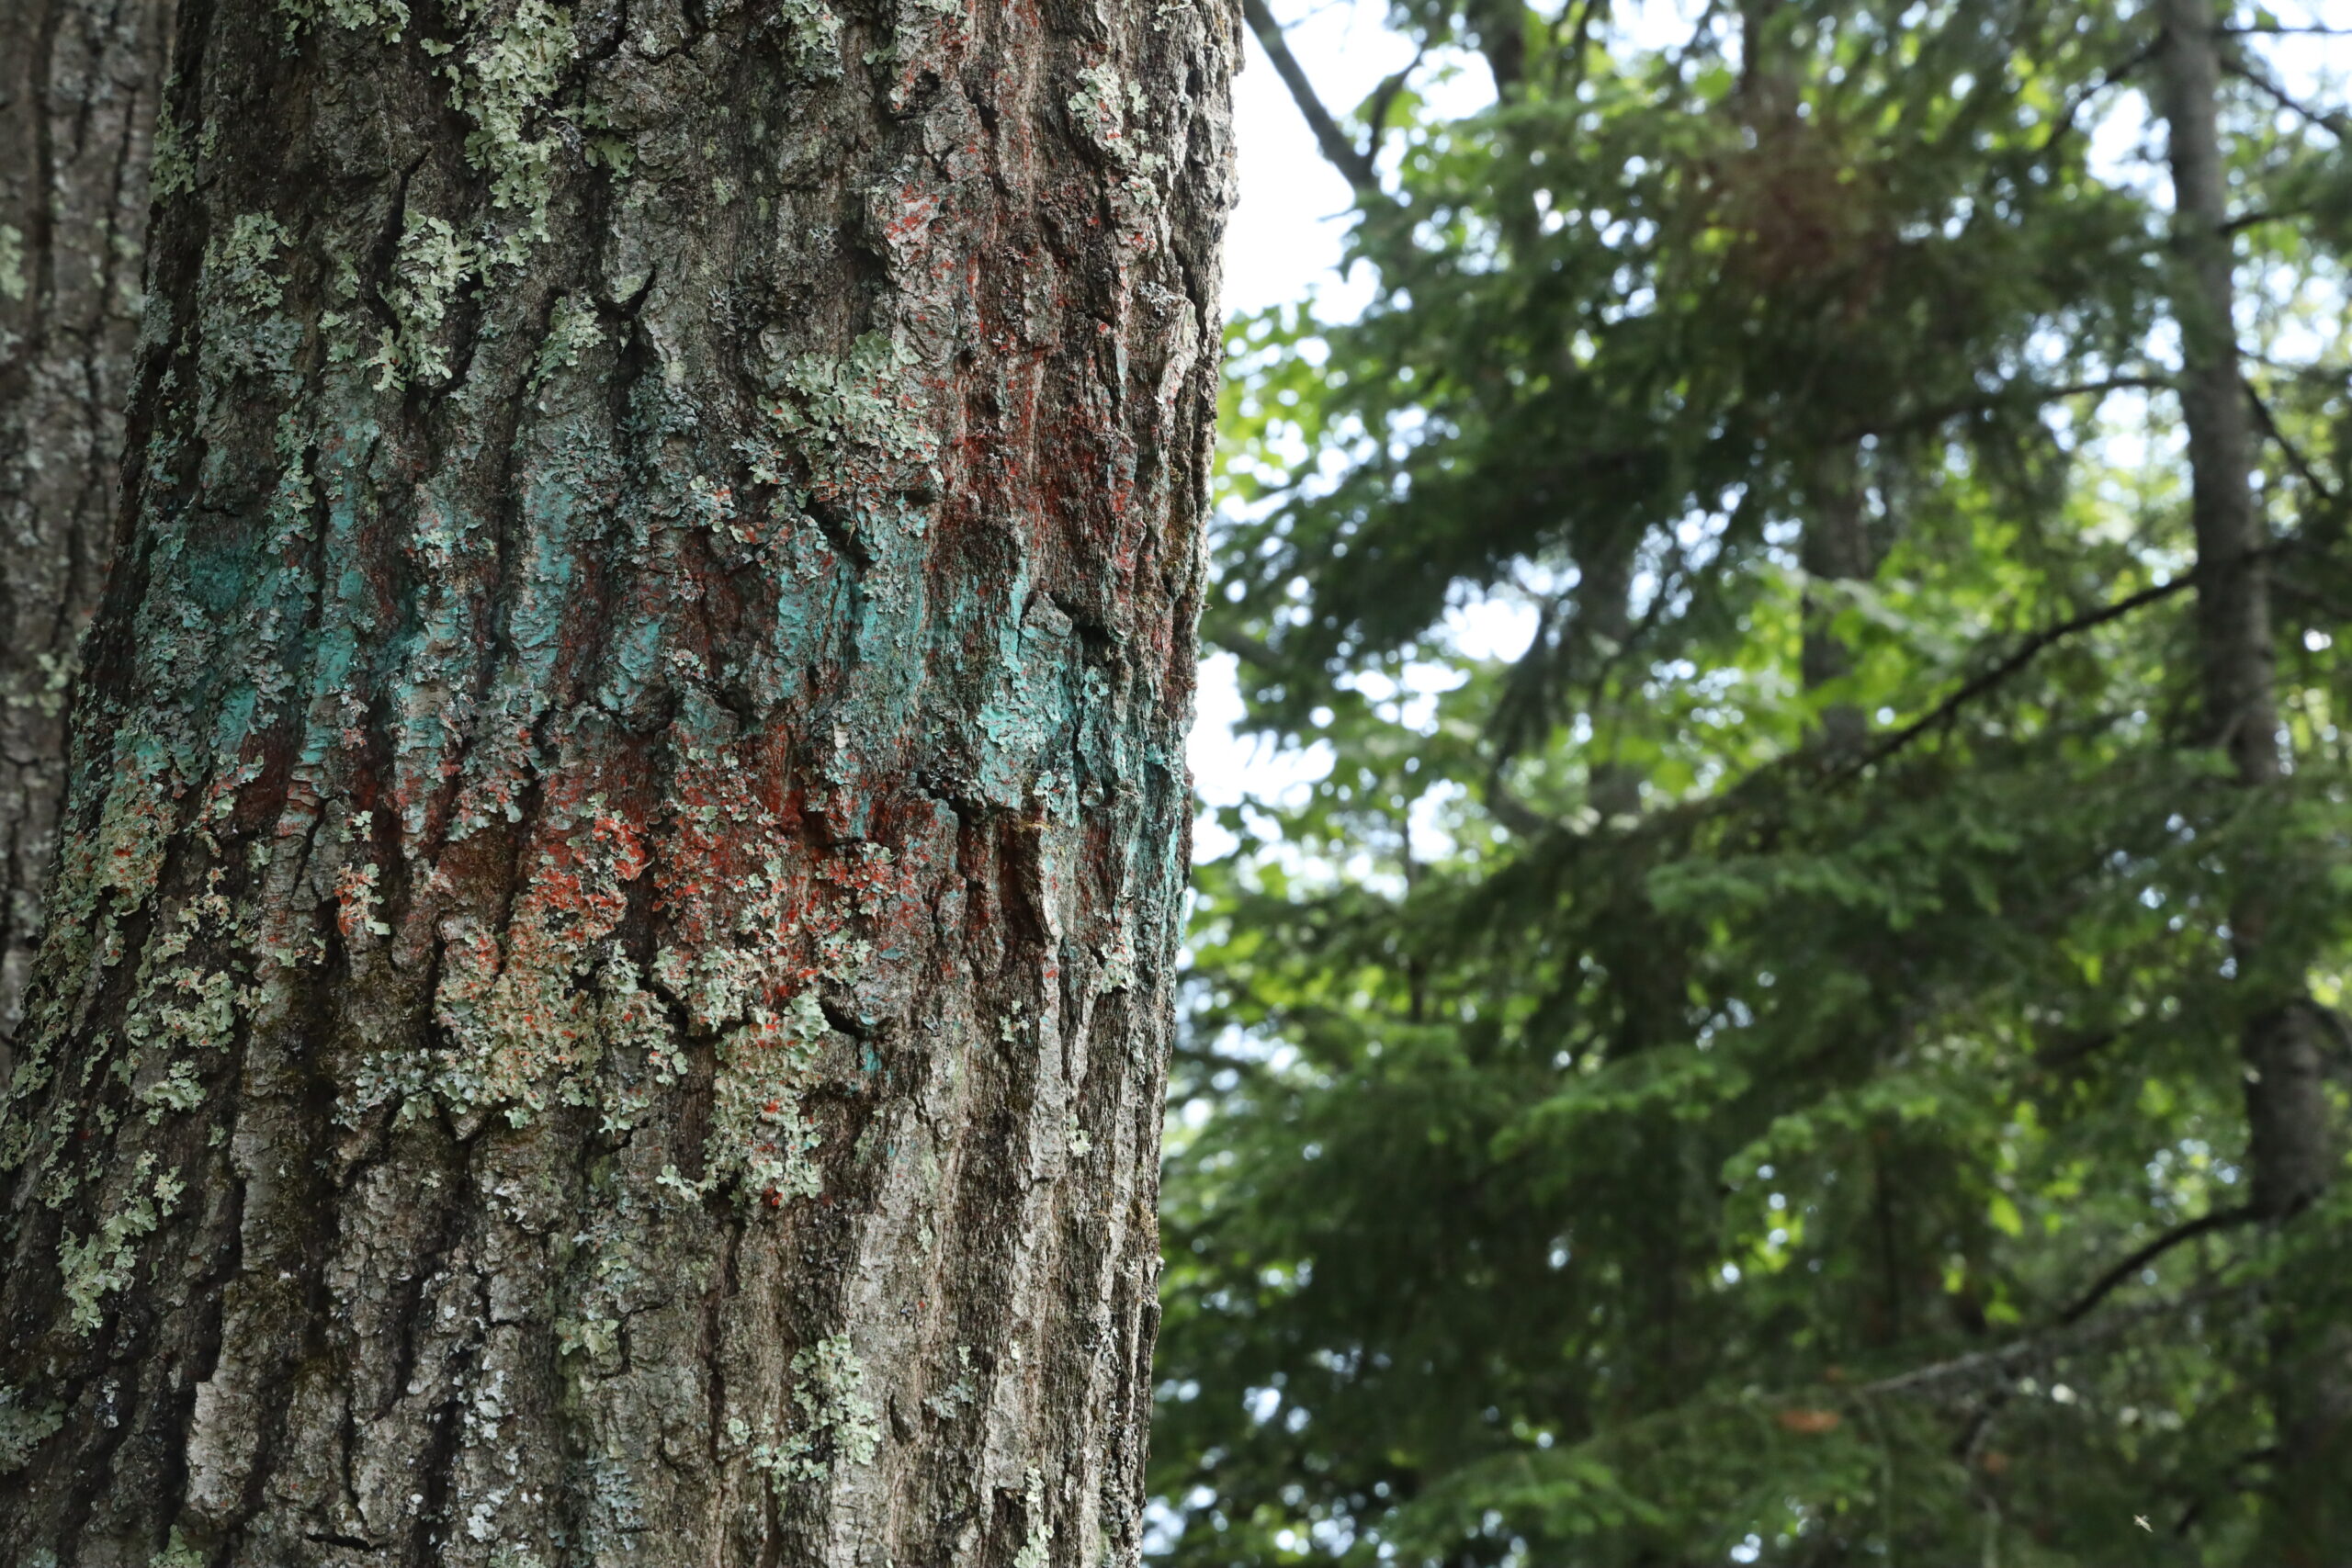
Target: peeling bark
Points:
(78, 85)
(615, 940)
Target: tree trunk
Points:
(609, 980)
(1836, 548)
(2288, 1144)
(78, 83)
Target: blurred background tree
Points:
(1833, 1053)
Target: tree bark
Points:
(2289, 1152)
(610, 973)
(78, 85)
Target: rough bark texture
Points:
(2289, 1152)
(78, 84)
(609, 980)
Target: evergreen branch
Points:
(1984, 1365)
(2065, 124)
(1514, 814)
(1336, 149)
(2204, 1225)
(2260, 216)
(1240, 644)
(2333, 123)
(1930, 417)
(1944, 712)
(2294, 454)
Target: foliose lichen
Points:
(510, 75)
(24, 1428)
(837, 1420)
(434, 261)
(11, 262)
(101, 1263)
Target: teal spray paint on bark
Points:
(629, 842)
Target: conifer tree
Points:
(1832, 1052)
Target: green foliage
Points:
(1673, 1096)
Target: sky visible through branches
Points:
(1287, 239)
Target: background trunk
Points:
(1836, 548)
(2290, 1153)
(78, 83)
(613, 952)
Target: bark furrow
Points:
(616, 935)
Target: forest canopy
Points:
(1834, 1053)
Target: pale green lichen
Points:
(98, 1265)
(596, 1335)
(177, 1008)
(862, 400)
(572, 332)
(551, 1009)
(42, 687)
(522, 1026)
(23, 1428)
(127, 853)
(11, 262)
(244, 332)
(957, 1396)
(837, 1420)
(237, 265)
(1034, 1551)
(178, 1553)
(816, 34)
(173, 162)
(760, 1137)
(433, 264)
(1100, 105)
(337, 326)
(388, 19)
(510, 73)
(855, 424)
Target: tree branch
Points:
(1514, 814)
(2017, 658)
(1384, 98)
(2065, 124)
(2335, 124)
(2260, 216)
(1929, 417)
(1340, 152)
(2204, 1225)
(2295, 459)
(1984, 1365)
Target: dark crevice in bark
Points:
(698, 757)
